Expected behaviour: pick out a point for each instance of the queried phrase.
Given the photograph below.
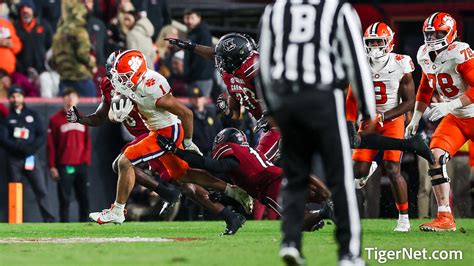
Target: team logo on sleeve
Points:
(229, 45)
(150, 82)
(135, 62)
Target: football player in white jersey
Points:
(448, 68)
(163, 115)
(394, 95)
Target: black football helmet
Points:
(231, 51)
(109, 64)
(230, 134)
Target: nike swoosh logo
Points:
(442, 62)
(390, 72)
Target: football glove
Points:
(181, 44)
(262, 124)
(413, 126)
(120, 112)
(223, 105)
(440, 110)
(73, 116)
(166, 144)
(190, 146)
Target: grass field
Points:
(256, 244)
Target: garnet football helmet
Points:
(231, 51)
(128, 70)
(232, 135)
(439, 31)
(378, 40)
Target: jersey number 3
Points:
(380, 92)
(445, 83)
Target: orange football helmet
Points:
(128, 70)
(378, 40)
(439, 30)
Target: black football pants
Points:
(312, 124)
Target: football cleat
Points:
(402, 226)
(291, 256)
(108, 216)
(359, 183)
(169, 205)
(241, 197)
(444, 221)
(234, 224)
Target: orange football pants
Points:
(452, 133)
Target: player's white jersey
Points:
(151, 88)
(387, 81)
(443, 76)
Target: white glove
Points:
(190, 146)
(440, 110)
(120, 113)
(413, 126)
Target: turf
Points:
(256, 244)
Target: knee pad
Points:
(443, 171)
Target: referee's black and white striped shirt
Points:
(313, 44)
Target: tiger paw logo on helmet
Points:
(135, 62)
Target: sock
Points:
(444, 208)
(167, 193)
(226, 214)
(403, 217)
(118, 207)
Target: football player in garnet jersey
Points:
(394, 96)
(250, 170)
(163, 115)
(137, 128)
(448, 68)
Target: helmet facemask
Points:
(436, 39)
(377, 47)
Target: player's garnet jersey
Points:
(241, 85)
(254, 173)
(148, 92)
(387, 81)
(134, 122)
(445, 76)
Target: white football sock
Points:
(444, 208)
(118, 207)
(403, 217)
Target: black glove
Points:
(262, 124)
(354, 137)
(223, 105)
(166, 144)
(181, 44)
(73, 115)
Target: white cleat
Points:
(291, 256)
(402, 226)
(359, 183)
(108, 216)
(241, 197)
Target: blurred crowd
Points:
(47, 46)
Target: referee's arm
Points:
(355, 60)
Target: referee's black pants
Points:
(315, 123)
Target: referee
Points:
(309, 51)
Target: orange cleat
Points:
(444, 221)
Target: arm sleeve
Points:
(408, 65)
(466, 70)
(349, 36)
(424, 90)
(197, 161)
(51, 147)
(351, 106)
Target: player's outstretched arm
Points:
(197, 161)
(407, 94)
(205, 52)
(94, 120)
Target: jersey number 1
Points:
(263, 161)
